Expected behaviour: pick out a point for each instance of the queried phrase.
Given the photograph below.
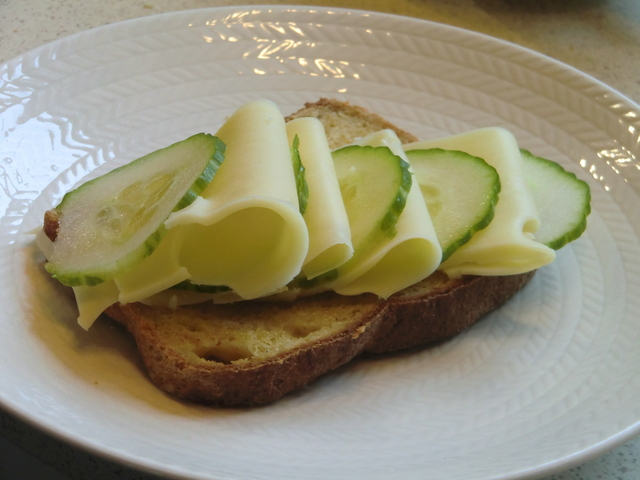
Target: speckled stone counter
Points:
(599, 37)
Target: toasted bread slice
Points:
(251, 353)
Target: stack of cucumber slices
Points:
(111, 223)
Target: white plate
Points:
(549, 380)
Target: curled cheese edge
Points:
(326, 218)
(245, 231)
(91, 301)
(506, 246)
(159, 271)
(394, 263)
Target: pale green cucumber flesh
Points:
(302, 187)
(205, 177)
(460, 191)
(109, 224)
(374, 184)
(563, 200)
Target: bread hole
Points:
(223, 353)
(301, 331)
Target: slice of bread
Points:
(343, 122)
(251, 353)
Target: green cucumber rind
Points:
(145, 158)
(390, 220)
(578, 229)
(77, 278)
(302, 187)
(206, 176)
(489, 213)
(80, 278)
(394, 210)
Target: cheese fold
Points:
(245, 231)
(157, 272)
(392, 264)
(506, 246)
(326, 218)
(94, 300)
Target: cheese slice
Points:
(507, 245)
(174, 298)
(326, 218)
(245, 231)
(92, 301)
(157, 272)
(392, 264)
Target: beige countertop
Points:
(599, 37)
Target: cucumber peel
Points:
(109, 224)
(374, 184)
(563, 200)
(302, 187)
(460, 191)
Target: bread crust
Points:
(440, 311)
(247, 382)
(446, 313)
(333, 112)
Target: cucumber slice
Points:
(298, 170)
(460, 191)
(110, 223)
(374, 184)
(563, 201)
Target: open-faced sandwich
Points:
(248, 263)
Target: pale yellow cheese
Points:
(175, 298)
(326, 218)
(92, 301)
(157, 272)
(394, 263)
(44, 243)
(507, 245)
(246, 231)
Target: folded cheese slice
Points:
(94, 300)
(392, 264)
(326, 218)
(507, 245)
(245, 231)
(157, 272)
(91, 301)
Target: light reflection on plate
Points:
(547, 381)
